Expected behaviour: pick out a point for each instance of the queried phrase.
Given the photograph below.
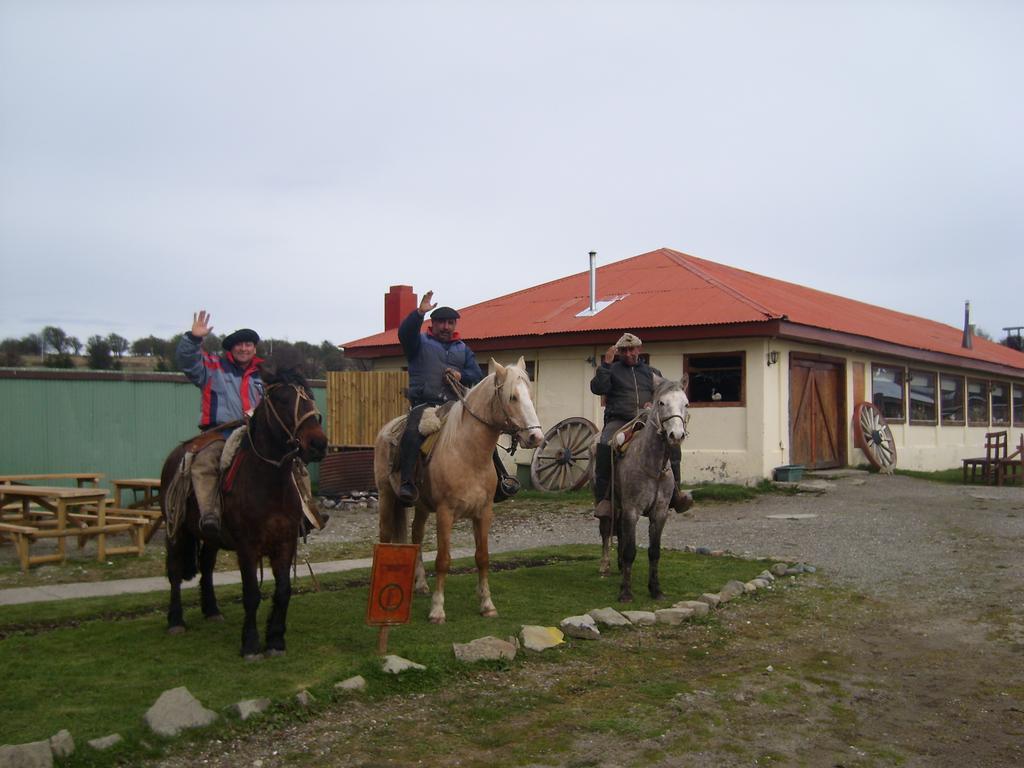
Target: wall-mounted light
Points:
(773, 358)
(593, 361)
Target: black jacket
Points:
(626, 388)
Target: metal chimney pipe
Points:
(968, 340)
(593, 282)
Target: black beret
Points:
(444, 313)
(242, 334)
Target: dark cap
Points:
(242, 334)
(444, 313)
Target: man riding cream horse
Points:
(628, 385)
(433, 357)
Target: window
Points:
(922, 397)
(715, 379)
(977, 403)
(1018, 405)
(999, 391)
(887, 391)
(952, 399)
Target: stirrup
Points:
(408, 494)
(209, 525)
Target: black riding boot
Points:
(602, 480)
(508, 486)
(681, 501)
(409, 451)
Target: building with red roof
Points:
(775, 369)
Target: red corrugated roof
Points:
(668, 289)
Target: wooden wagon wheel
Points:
(562, 462)
(873, 436)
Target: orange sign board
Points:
(390, 600)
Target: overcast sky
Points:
(282, 163)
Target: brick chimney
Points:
(399, 301)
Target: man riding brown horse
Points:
(433, 356)
(628, 385)
(231, 388)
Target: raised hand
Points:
(609, 355)
(201, 323)
(425, 302)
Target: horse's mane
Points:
(284, 367)
(666, 386)
(451, 424)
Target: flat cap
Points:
(628, 340)
(242, 334)
(444, 313)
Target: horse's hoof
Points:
(177, 629)
(489, 613)
(626, 598)
(274, 652)
(215, 617)
(424, 590)
(437, 619)
(252, 656)
(659, 596)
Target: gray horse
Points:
(642, 485)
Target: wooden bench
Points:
(996, 445)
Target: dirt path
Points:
(906, 648)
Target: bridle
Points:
(293, 445)
(506, 427)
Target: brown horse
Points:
(261, 508)
(458, 479)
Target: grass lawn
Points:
(94, 666)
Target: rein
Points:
(508, 427)
(293, 441)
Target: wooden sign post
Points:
(390, 600)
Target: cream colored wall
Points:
(741, 444)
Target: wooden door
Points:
(817, 408)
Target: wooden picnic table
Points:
(147, 506)
(58, 512)
(82, 479)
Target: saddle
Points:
(621, 438)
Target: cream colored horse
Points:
(458, 479)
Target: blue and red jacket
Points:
(229, 391)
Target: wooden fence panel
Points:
(361, 402)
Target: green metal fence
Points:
(122, 425)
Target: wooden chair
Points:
(987, 466)
(1011, 469)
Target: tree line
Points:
(56, 349)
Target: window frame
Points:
(962, 421)
(902, 418)
(1017, 403)
(934, 376)
(992, 384)
(742, 402)
(971, 422)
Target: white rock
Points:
(34, 754)
(766, 575)
(357, 683)
(249, 707)
(712, 600)
(484, 649)
(673, 616)
(582, 627)
(761, 583)
(394, 665)
(732, 589)
(105, 742)
(609, 617)
(699, 607)
(643, 618)
(750, 587)
(304, 698)
(62, 744)
(176, 710)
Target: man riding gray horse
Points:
(433, 356)
(627, 384)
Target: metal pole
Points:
(593, 282)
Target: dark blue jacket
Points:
(428, 358)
